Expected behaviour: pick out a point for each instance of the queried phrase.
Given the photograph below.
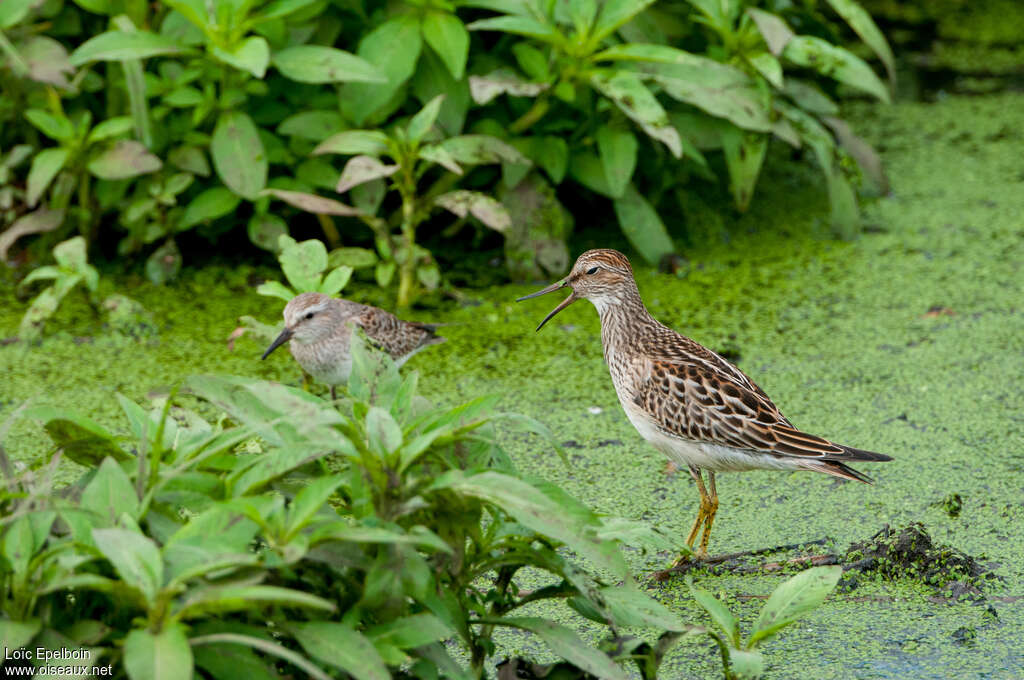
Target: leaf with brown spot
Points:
(125, 159)
(481, 206)
(37, 222)
(311, 202)
(360, 169)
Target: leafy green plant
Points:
(793, 599)
(290, 537)
(72, 269)
(416, 148)
(304, 265)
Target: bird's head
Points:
(602, 276)
(308, 318)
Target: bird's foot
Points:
(682, 564)
(732, 562)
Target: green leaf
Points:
(862, 24)
(335, 280)
(314, 125)
(119, 45)
(252, 55)
(775, 31)
(303, 263)
(16, 634)
(164, 263)
(794, 598)
(744, 155)
(135, 558)
(746, 664)
(208, 206)
(587, 169)
(311, 202)
(110, 493)
(318, 64)
(383, 433)
(410, 631)
(356, 258)
(54, 127)
(11, 12)
(421, 123)
(481, 149)
(616, 13)
(191, 159)
(309, 501)
(835, 62)
(360, 169)
(617, 149)
(276, 289)
(231, 662)
(231, 598)
(158, 656)
(342, 647)
(45, 166)
(448, 37)
(83, 440)
(642, 226)
(238, 154)
(636, 101)
(393, 47)
(768, 66)
(124, 160)
(365, 142)
(520, 25)
(567, 645)
(481, 206)
(112, 127)
(719, 613)
(264, 230)
(23, 538)
(630, 606)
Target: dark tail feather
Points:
(846, 472)
(860, 454)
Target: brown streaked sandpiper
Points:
(318, 330)
(688, 402)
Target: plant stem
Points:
(330, 230)
(536, 112)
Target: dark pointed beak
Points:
(551, 289)
(285, 336)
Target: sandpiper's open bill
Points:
(284, 337)
(551, 289)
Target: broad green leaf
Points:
(110, 493)
(393, 47)
(862, 152)
(135, 558)
(634, 99)
(567, 645)
(231, 662)
(238, 154)
(360, 169)
(436, 154)
(530, 507)
(768, 66)
(277, 9)
(119, 46)
(82, 440)
(16, 634)
(276, 289)
(773, 28)
(158, 656)
(587, 169)
(796, 597)
(356, 258)
(342, 647)
(410, 632)
(36, 222)
(630, 606)
(124, 160)
(582, 14)
(642, 226)
(302, 264)
(431, 79)
(485, 88)
(318, 64)
(231, 598)
(835, 62)
(252, 55)
(47, 60)
(520, 25)
(549, 152)
(423, 121)
(862, 24)
(264, 230)
(448, 37)
(23, 538)
(13, 11)
(617, 149)
(719, 613)
(365, 142)
(809, 97)
(72, 254)
(112, 127)
(45, 167)
(164, 263)
(744, 154)
(481, 206)
(615, 13)
(383, 433)
(311, 202)
(308, 502)
(208, 206)
(747, 665)
(335, 280)
(481, 149)
(313, 125)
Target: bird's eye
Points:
(309, 315)
(592, 270)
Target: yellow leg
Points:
(702, 510)
(709, 515)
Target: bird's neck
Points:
(623, 317)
